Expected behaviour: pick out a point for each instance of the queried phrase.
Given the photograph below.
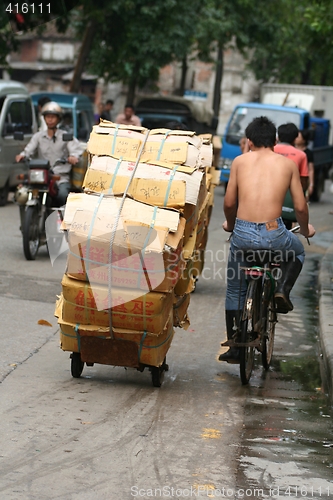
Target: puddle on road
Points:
(287, 442)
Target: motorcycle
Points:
(36, 198)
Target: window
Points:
(83, 125)
(67, 121)
(18, 118)
(244, 115)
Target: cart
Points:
(89, 345)
(127, 357)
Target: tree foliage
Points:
(291, 42)
(283, 40)
(138, 37)
(21, 16)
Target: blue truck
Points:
(244, 113)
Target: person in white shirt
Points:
(49, 145)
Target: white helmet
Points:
(21, 195)
(52, 108)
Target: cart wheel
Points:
(76, 364)
(157, 373)
(157, 376)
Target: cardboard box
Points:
(137, 260)
(160, 193)
(191, 213)
(206, 155)
(180, 307)
(184, 136)
(217, 147)
(89, 305)
(204, 240)
(198, 262)
(106, 127)
(108, 207)
(215, 173)
(119, 141)
(172, 146)
(202, 221)
(186, 282)
(152, 348)
(149, 171)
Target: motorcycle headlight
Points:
(37, 176)
(21, 195)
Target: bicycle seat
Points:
(259, 257)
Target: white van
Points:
(16, 115)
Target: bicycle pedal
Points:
(229, 343)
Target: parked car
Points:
(16, 115)
(159, 111)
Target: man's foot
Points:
(283, 304)
(231, 356)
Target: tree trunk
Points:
(218, 80)
(131, 91)
(83, 55)
(305, 77)
(183, 78)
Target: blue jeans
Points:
(248, 236)
(63, 191)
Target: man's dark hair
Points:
(129, 105)
(262, 132)
(307, 135)
(43, 100)
(109, 101)
(287, 133)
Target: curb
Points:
(326, 318)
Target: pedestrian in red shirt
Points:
(287, 135)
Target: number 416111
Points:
(24, 8)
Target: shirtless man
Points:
(252, 205)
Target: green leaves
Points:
(283, 40)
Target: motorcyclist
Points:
(49, 144)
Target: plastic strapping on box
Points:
(115, 175)
(162, 145)
(89, 158)
(113, 234)
(76, 329)
(159, 345)
(85, 298)
(141, 343)
(169, 185)
(87, 259)
(114, 139)
(142, 346)
(142, 253)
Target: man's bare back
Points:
(257, 186)
(263, 178)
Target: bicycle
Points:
(259, 317)
(256, 325)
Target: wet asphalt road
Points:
(287, 438)
(111, 435)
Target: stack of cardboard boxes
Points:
(134, 238)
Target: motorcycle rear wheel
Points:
(30, 233)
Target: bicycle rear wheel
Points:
(247, 331)
(268, 337)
